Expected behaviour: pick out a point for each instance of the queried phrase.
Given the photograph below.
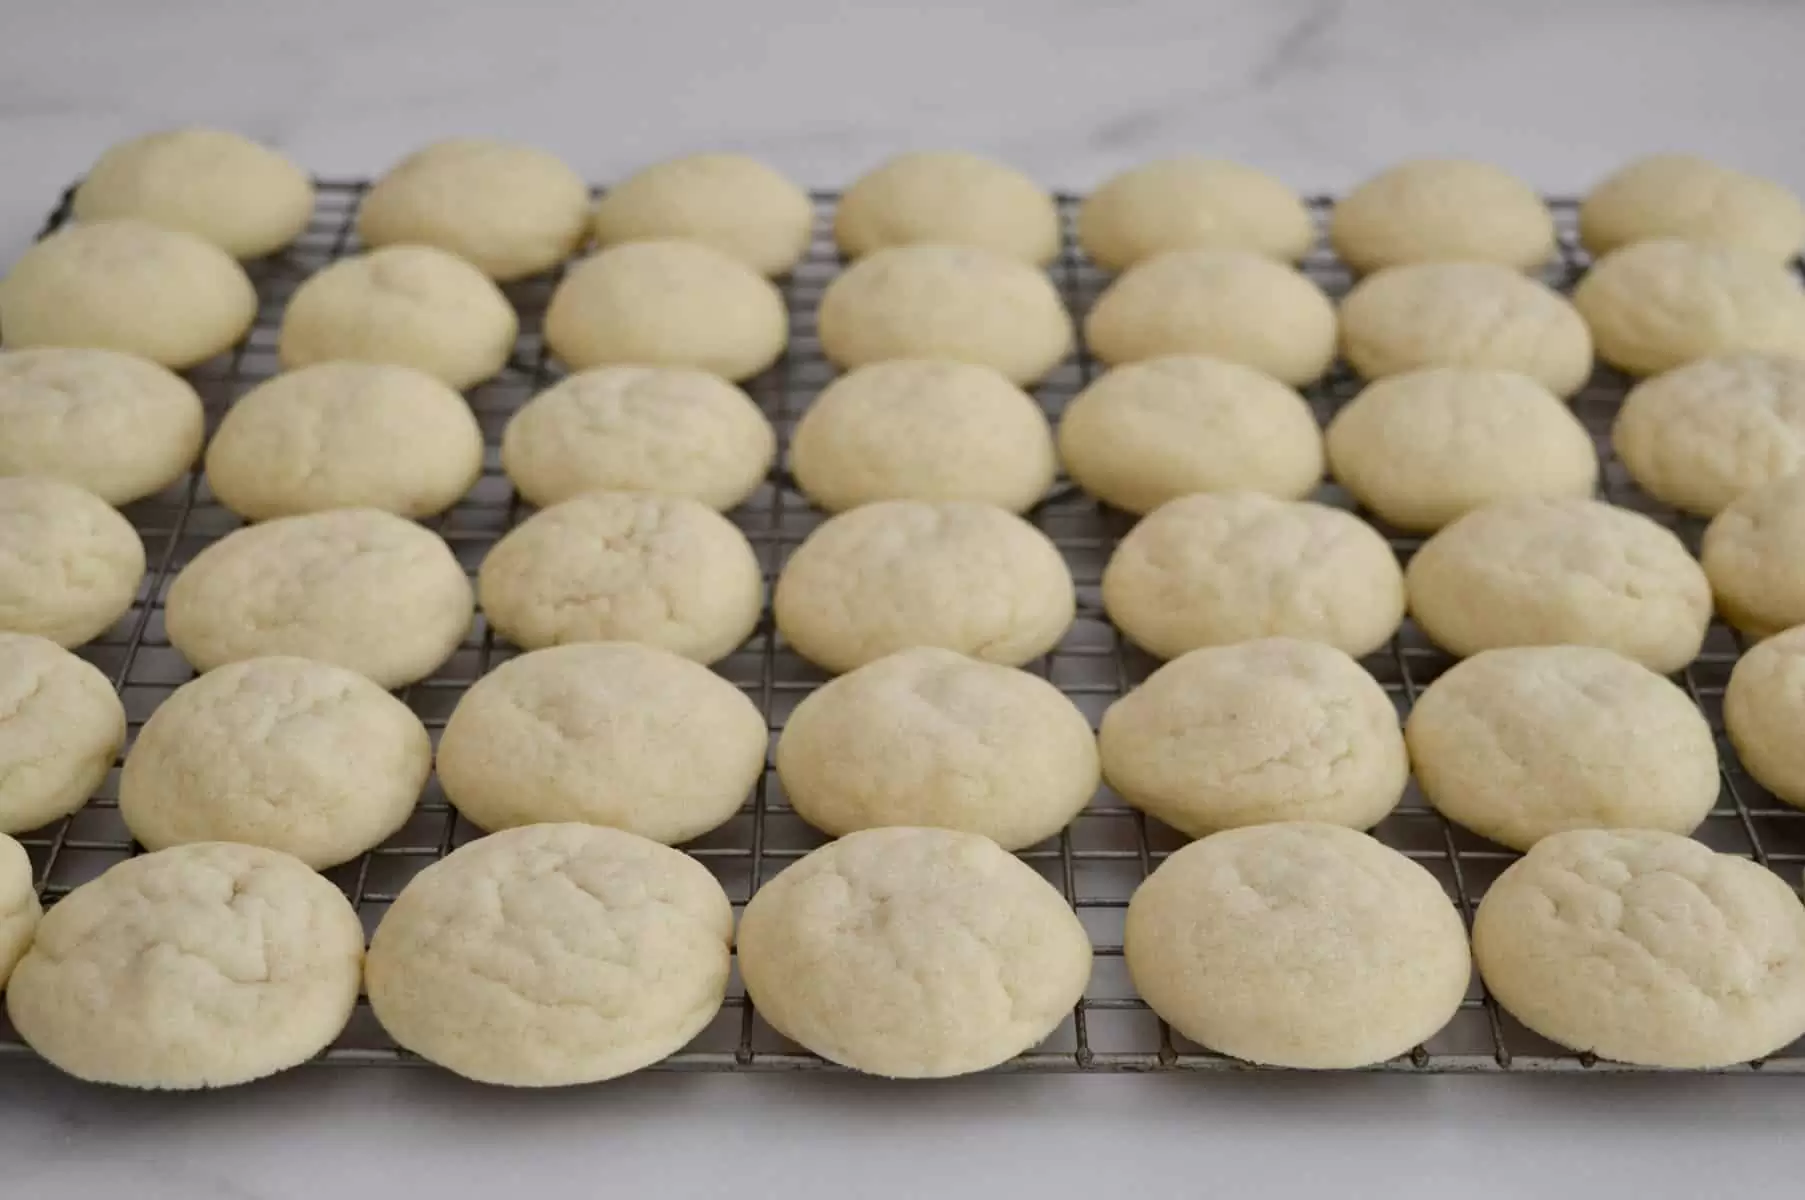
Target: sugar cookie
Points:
(1763, 707)
(1441, 209)
(19, 908)
(948, 198)
(72, 563)
(1192, 203)
(736, 204)
(1684, 196)
(61, 726)
(1753, 553)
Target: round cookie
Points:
(119, 426)
(1223, 567)
(1545, 572)
(1465, 315)
(667, 571)
(1684, 196)
(912, 953)
(1297, 944)
(356, 587)
(1423, 448)
(901, 573)
(948, 198)
(61, 726)
(1645, 947)
(673, 430)
(1261, 731)
(130, 286)
(1192, 203)
(1656, 305)
(72, 563)
(1700, 435)
(19, 907)
(1231, 304)
(736, 204)
(1441, 209)
(238, 194)
(1523, 742)
(1151, 431)
(286, 753)
(1753, 553)
(199, 966)
(1763, 708)
(617, 734)
(551, 955)
(952, 302)
(931, 737)
(345, 435)
(923, 429)
(414, 306)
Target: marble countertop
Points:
(1322, 92)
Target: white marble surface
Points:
(1319, 91)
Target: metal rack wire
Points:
(1096, 862)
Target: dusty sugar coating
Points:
(610, 733)
(1764, 706)
(61, 726)
(736, 204)
(623, 566)
(1645, 947)
(345, 435)
(70, 565)
(1519, 743)
(200, 966)
(948, 198)
(655, 429)
(923, 429)
(1260, 731)
(19, 908)
(1152, 431)
(931, 737)
(1225, 567)
(901, 573)
(1192, 203)
(1753, 553)
(294, 755)
(1442, 209)
(1684, 196)
(1231, 304)
(1450, 314)
(552, 954)
(117, 425)
(913, 953)
(356, 587)
(1299, 945)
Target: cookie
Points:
(735, 204)
(73, 563)
(61, 726)
(1684, 196)
(1763, 706)
(1753, 553)
(19, 908)
(1441, 210)
(947, 198)
(1192, 203)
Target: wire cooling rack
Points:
(1096, 863)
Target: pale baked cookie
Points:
(900, 573)
(1684, 196)
(1753, 553)
(674, 430)
(287, 753)
(61, 726)
(551, 955)
(19, 908)
(617, 734)
(913, 953)
(667, 571)
(736, 204)
(117, 425)
(1522, 742)
(948, 198)
(199, 966)
(1297, 945)
(130, 286)
(238, 194)
(953, 302)
(1151, 431)
(923, 429)
(71, 563)
(1441, 209)
(1192, 203)
(345, 435)
(1423, 448)
(414, 306)
(932, 737)
(1546, 572)
(1261, 731)
(1764, 709)
(1656, 305)
(1465, 315)
(512, 210)
(1224, 567)
(667, 303)
(356, 587)
(1700, 435)
(1645, 947)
